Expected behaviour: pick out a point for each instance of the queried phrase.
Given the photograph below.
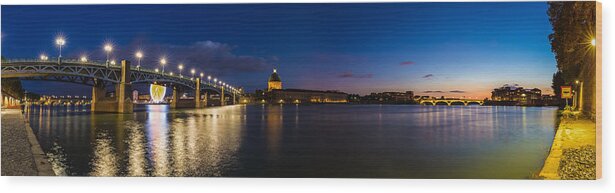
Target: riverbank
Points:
(21, 152)
(572, 155)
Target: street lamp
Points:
(139, 55)
(84, 59)
(60, 41)
(580, 97)
(202, 75)
(208, 79)
(112, 62)
(181, 67)
(163, 62)
(156, 70)
(44, 57)
(192, 72)
(108, 48)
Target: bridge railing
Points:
(101, 63)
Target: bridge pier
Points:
(234, 101)
(199, 103)
(121, 102)
(177, 102)
(174, 98)
(123, 90)
(222, 99)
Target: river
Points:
(337, 140)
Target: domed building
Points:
(275, 93)
(274, 83)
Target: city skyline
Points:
(450, 49)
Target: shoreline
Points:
(571, 134)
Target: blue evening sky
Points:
(467, 48)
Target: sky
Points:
(436, 49)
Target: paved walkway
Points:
(18, 155)
(570, 134)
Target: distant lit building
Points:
(275, 94)
(389, 97)
(517, 95)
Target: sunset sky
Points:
(450, 49)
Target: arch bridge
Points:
(99, 76)
(450, 102)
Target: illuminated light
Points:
(43, 57)
(192, 71)
(112, 62)
(215, 80)
(202, 75)
(163, 61)
(157, 93)
(156, 70)
(139, 54)
(208, 77)
(108, 47)
(593, 42)
(576, 81)
(171, 73)
(60, 41)
(84, 59)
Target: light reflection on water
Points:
(381, 141)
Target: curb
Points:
(43, 167)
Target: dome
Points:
(274, 77)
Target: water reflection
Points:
(298, 141)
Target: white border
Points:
(269, 185)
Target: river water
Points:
(355, 141)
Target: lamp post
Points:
(163, 62)
(209, 80)
(44, 57)
(181, 67)
(108, 48)
(60, 41)
(139, 55)
(192, 72)
(580, 93)
(84, 59)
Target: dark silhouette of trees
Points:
(574, 29)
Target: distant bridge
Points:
(450, 102)
(123, 76)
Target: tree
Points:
(558, 81)
(574, 29)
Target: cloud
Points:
(433, 91)
(352, 75)
(457, 91)
(406, 63)
(428, 76)
(209, 56)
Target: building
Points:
(306, 96)
(274, 81)
(514, 95)
(389, 97)
(276, 94)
